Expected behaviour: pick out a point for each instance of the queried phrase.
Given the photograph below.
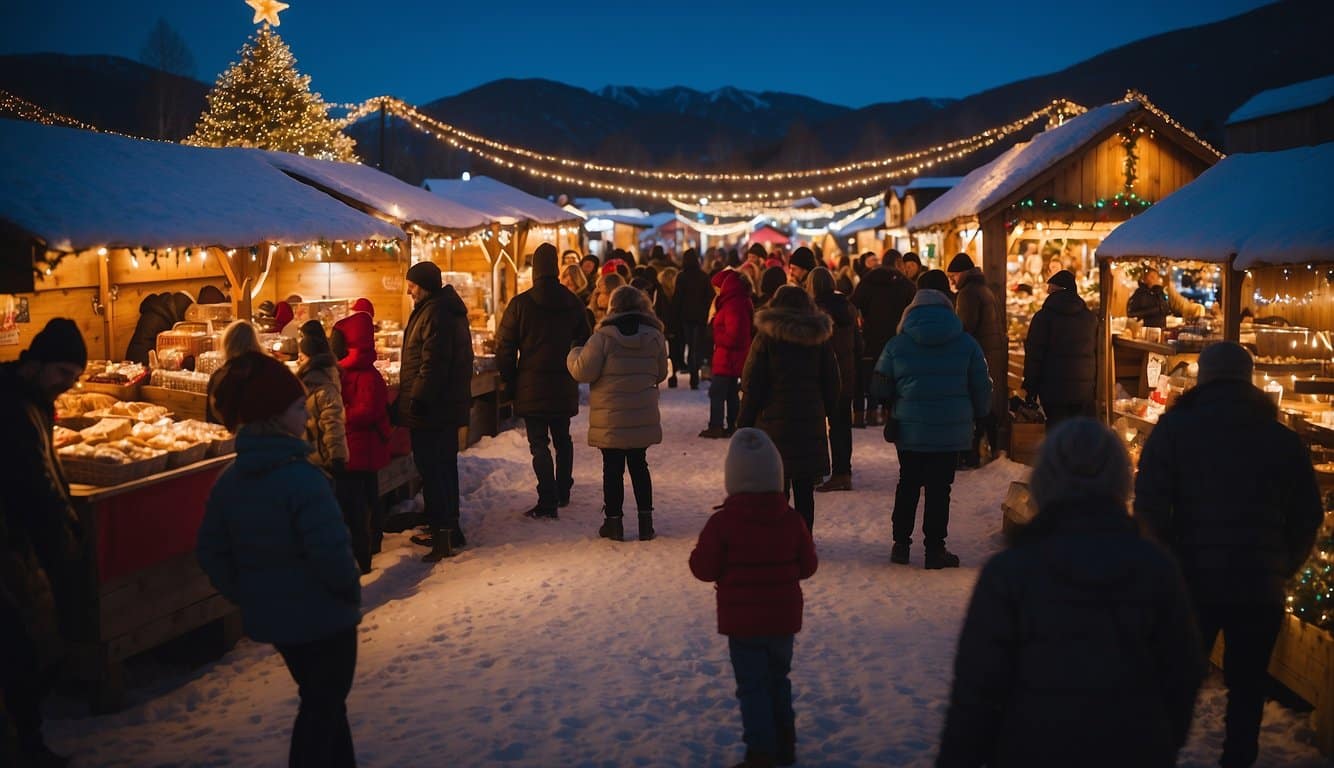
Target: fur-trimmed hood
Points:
(807, 328)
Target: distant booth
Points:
(902, 204)
(1267, 276)
(1297, 115)
(1046, 204)
(91, 227)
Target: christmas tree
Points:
(1311, 591)
(262, 101)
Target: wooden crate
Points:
(1303, 660)
(1017, 510)
(1025, 439)
(183, 405)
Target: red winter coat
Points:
(365, 396)
(757, 548)
(731, 323)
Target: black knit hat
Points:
(425, 274)
(914, 258)
(545, 263)
(935, 280)
(59, 342)
(757, 249)
(311, 339)
(803, 257)
(960, 263)
(1063, 279)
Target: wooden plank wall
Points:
(381, 281)
(1161, 169)
(1312, 285)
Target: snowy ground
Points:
(543, 645)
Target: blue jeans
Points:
(761, 665)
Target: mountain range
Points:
(1199, 75)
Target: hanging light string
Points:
(26, 110)
(1134, 95)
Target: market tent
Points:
(75, 190)
(1216, 216)
(995, 182)
(507, 205)
(1276, 101)
(365, 186)
(769, 236)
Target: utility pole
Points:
(380, 165)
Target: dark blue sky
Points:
(850, 52)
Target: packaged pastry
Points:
(106, 430)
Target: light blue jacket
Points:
(936, 377)
(273, 541)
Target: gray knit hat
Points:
(1080, 460)
(753, 464)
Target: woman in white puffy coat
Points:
(624, 361)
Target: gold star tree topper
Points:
(266, 10)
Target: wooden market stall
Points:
(1047, 203)
(89, 223)
(1275, 267)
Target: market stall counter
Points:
(144, 585)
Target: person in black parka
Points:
(848, 350)
(1079, 648)
(1230, 491)
(881, 296)
(789, 386)
(158, 312)
(1149, 301)
(690, 316)
(435, 399)
(1060, 366)
(537, 331)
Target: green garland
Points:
(1311, 591)
(1129, 138)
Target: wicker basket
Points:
(191, 455)
(104, 474)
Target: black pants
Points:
(691, 349)
(436, 454)
(358, 492)
(840, 437)
(323, 672)
(553, 481)
(933, 470)
(801, 490)
(1058, 412)
(862, 399)
(21, 711)
(614, 461)
(1249, 632)
(724, 391)
(989, 426)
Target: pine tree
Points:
(262, 101)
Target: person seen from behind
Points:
(848, 351)
(273, 541)
(1231, 492)
(42, 573)
(623, 362)
(757, 550)
(731, 322)
(934, 378)
(983, 317)
(1060, 363)
(689, 314)
(789, 385)
(881, 297)
(1078, 648)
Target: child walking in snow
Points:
(757, 549)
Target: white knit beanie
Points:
(753, 464)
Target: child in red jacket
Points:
(758, 549)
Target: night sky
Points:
(852, 52)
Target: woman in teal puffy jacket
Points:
(273, 541)
(935, 378)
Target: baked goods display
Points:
(80, 403)
(129, 440)
(108, 372)
(143, 412)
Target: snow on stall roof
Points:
(934, 182)
(874, 219)
(1017, 166)
(1276, 101)
(78, 189)
(500, 201)
(380, 191)
(1217, 215)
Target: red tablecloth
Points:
(151, 524)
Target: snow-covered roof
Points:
(593, 204)
(989, 185)
(934, 182)
(1276, 101)
(1216, 215)
(873, 219)
(380, 191)
(504, 203)
(78, 189)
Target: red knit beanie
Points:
(254, 387)
(364, 305)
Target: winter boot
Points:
(422, 538)
(457, 539)
(756, 760)
(787, 746)
(714, 433)
(859, 419)
(441, 545)
(899, 553)
(540, 512)
(646, 532)
(938, 557)
(613, 528)
(694, 380)
(671, 381)
(835, 483)
(873, 417)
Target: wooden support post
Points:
(1107, 381)
(240, 297)
(995, 239)
(1232, 280)
(104, 299)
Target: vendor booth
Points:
(92, 225)
(1265, 277)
